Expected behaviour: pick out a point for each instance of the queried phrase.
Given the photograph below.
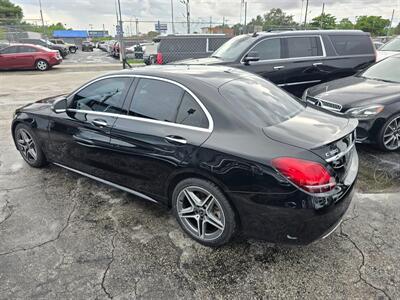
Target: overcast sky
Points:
(84, 14)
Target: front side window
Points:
(105, 95)
(234, 48)
(303, 46)
(268, 49)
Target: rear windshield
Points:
(352, 44)
(385, 70)
(260, 102)
(393, 45)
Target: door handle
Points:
(176, 139)
(99, 123)
(317, 64)
(279, 67)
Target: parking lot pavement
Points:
(96, 57)
(65, 236)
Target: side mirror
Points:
(59, 105)
(251, 56)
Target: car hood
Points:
(383, 54)
(354, 91)
(42, 104)
(200, 61)
(311, 129)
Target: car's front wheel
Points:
(389, 135)
(28, 146)
(42, 65)
(203, 212)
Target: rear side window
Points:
(303, 46)
(27, 49)
(156, 100)
(190, 113)
(352, 44)
(9, 50)
(105, 95)
(259, 101)
(268, 49)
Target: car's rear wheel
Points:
(28, 146)
(72, 49)
(203, 212)
(389, 135)
(42, 65)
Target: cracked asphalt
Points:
(63, 236)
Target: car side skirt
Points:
(125, 189)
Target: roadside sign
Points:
(161, 27)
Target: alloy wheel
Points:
(391, 136)
(201, 213)
(41, 65)
(26, 145)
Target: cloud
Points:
(78, 14)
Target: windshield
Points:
(232, 49)
(260, 102)
(393, 45)
(386, 70)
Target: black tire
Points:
(221, 236)
(72, 49)
(42, 65)
(40, 160)
(384, 130)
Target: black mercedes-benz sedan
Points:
(372, 96)
(227, 150)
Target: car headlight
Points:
(365, 112)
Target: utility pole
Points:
(390, 26)
(172, 17)
(137, 26)
(121, 37)
(322, 16)
(188, 16)
(210, 29)
(301, 12)
(245, 16)
(305, 17)
(240, 20)
(223, 21)
(41, 14)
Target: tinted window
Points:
(352, 44)
(259, 101)
(105, 95)
(190, 113)
(269, 49)
(157, 100)
(386, 70)
(27, 49)
(9, 50)
(303, 46)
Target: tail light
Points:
(159, 58)
(309, 176)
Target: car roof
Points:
(262, 34)
(211, 75)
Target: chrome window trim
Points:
(108, 183)
(288, 58)
(298, 83)
(206, 112)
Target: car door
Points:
(26, 56)
(305, 58)
(8, 58)
(271, 66)
(165, 126)
(80, 137)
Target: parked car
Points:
(87, 46)
(71, 47)
(47, 44)
(25, 56)
(372, 96)
(296, 60)
(4, 43)
(150, 53)
(115, 49)
(178, 47)
(226, 149)
(390, 48)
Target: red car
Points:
(26, 56)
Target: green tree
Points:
(373, 24)
(345, 23)
(324, 21)
(277, 17)
(396, 30)
(10, 13)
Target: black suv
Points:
(296, 60)
(45, 43)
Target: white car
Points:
(390, 48)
